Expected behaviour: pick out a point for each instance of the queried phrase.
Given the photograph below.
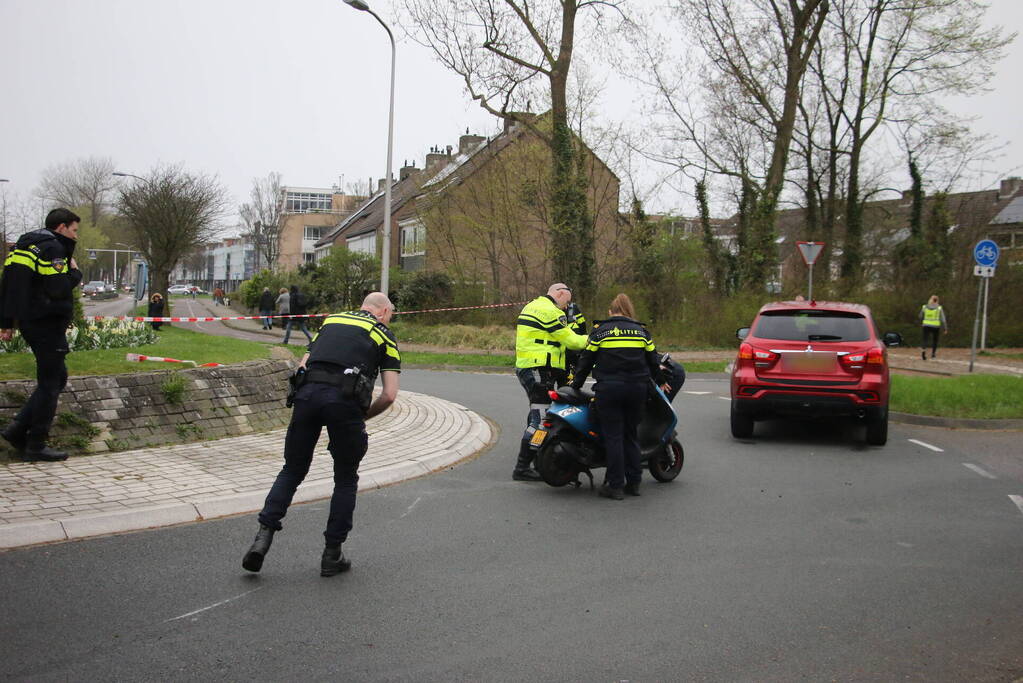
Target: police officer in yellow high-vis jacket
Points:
(932, 321)
(542, 337)
(37, 293)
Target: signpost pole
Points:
(976, 324)
(983, 318)
(809, 294)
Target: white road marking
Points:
(979, 470)
(926, 445)
(216, 604)
(724, 398)
(697, 393)
(414, 503)
(1018, 500)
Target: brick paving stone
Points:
(416, 429)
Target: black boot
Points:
(523, 466)
(606, 491)
(16, 435)
(632, 489)
(333, 561)
(253, 560)
(37, 450)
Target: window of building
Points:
(307, 202)
(308, 257)
(1003, 239)
(363, 244)
(413, 238)
(313, 232)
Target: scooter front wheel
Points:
(667, 465)
(554, 464)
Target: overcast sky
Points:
(240, 88)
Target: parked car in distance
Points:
(803, 359)
(179, 289)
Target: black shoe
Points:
(923, 355)
(253, 560)
(333, 561)
(42, 452)
(15, 436)
(606, 491)
(528, 474)
(632, 489)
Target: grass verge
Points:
(977, 396)
(173, 342)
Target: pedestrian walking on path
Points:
(296, 300)
(266, 308)
(334, 391)
(933, 321)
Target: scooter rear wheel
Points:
(666, 466)
(554, 465)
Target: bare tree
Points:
(882, 63)
(739, 125)
(170, 213)
(83, 183)
(510, 54)
(262, 217)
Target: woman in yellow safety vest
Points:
(932, 318)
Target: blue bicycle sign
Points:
(985, 253)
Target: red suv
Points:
(809, 359)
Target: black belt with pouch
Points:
(353, 383)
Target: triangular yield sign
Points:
(810, 251)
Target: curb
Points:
(954, 422)
(481, 436)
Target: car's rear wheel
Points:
(877, 429)
(742, 425)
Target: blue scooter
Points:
(569, 440)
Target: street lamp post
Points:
(386, 261)
(117, 273)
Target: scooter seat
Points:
(575, 397)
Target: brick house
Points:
(972, 216)
(479, 213)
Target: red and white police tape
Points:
(133, 357)
(210, 319)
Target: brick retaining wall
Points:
(118, 412)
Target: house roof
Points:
(370, 215)
(1013, 213)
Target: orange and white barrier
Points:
(138, 357)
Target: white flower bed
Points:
(98, 334)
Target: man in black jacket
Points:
(37, 292)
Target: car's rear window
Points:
(812, 325)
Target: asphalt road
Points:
(801, 554)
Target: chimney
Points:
(381, 184)
(436, 157)
(467, 142)
(1009, 187)
(407, 171)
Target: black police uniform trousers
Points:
(317, 406)
(621, 405)
(48, 340)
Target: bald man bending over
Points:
(335, 391)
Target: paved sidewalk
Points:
(101, 494)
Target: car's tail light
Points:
(853, 360)
(760, 357)
(858, 359)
